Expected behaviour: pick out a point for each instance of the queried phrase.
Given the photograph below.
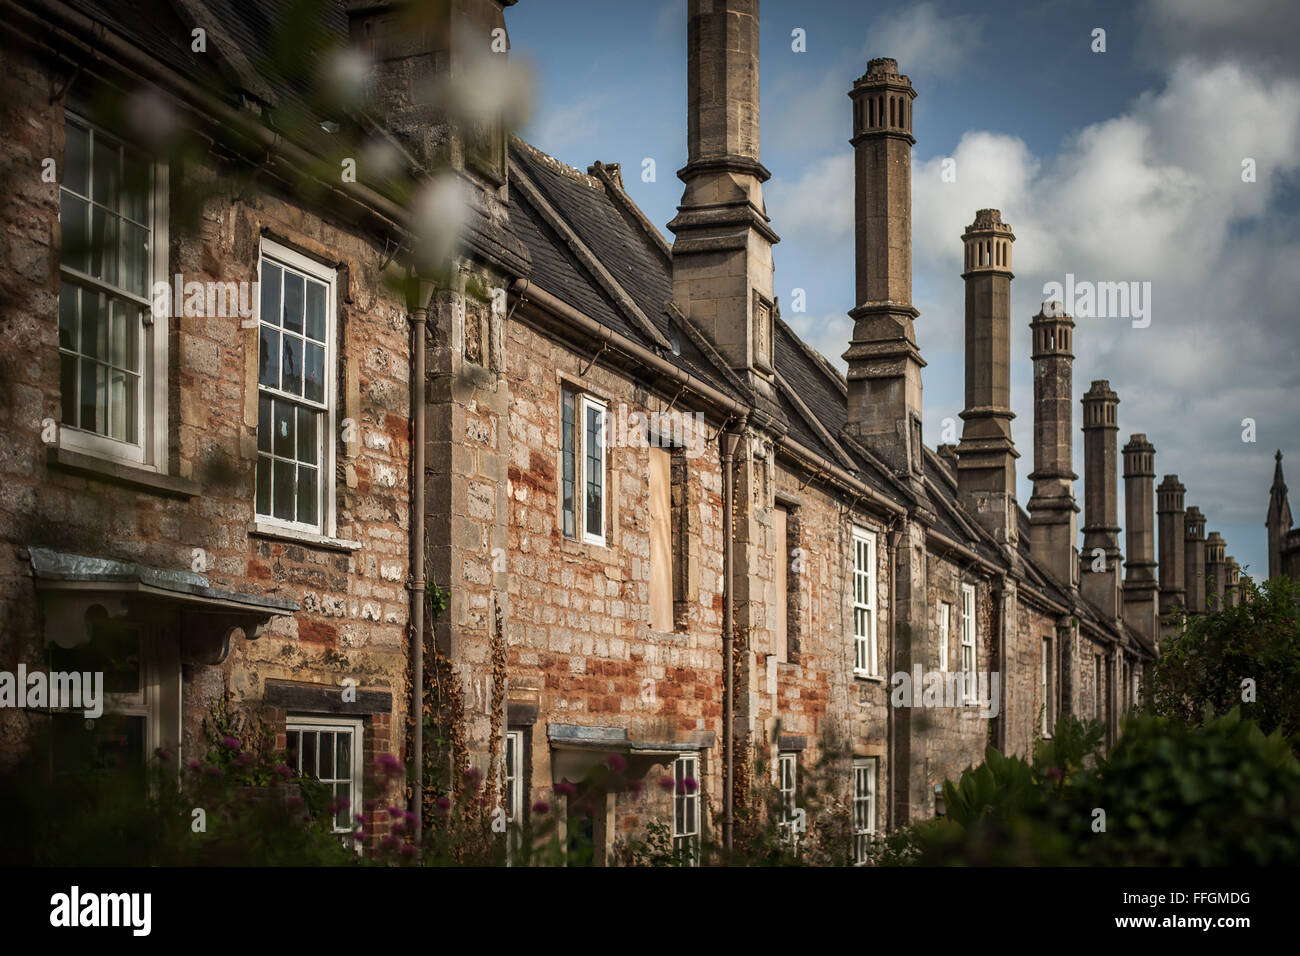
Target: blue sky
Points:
(1115, 166)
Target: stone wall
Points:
(353, 605)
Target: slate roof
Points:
(622, 247)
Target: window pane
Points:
(94, 397)
(314, 386)
(342, 816)
(94, 326)
(68, 297)
(105, 180)
(103, 245)
(263, 484)
(121, 351)
(135, 258)
(268, 357)
(269, 290)
(72, 222)
(344, 756)
(293, 302)
(326, 756)
(282, 489)
(595, 473)
(291, 369)
(135, 187)
(283, 441)
(68, 388)
(568, 464)
(122, 405)
(316, 310)
(307, 447)
(264, 428)
(293, 750)
(76, 165)
(309, 754)
(307, 494)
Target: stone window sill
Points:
(604, 553)
(869, 678)
(119, 473)
(261, 529)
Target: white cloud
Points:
(925, 41)
(573, 125)
(1154, 194)
(815, 205)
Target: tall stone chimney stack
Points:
(1141, 604)
(1052, 508)
(1278, 521)
(986, 456)
(1194, 562)
(1216, 571)
(1232, 587)
(722, 253)
(1173, 529)
(1099, 564)
(884, 376)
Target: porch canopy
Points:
(76, 590)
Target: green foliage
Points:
(159, 817)
(1000, 787)
(656, 849)
(1172, 793)
(760, 838)
(1220, 794)
(1205, 662)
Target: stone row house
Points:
(665, 527)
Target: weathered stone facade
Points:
(599, 567)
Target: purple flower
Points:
(636, 786)
(212, 771)
(194, 765)
(389, 765)
(443, 804)
(294, 802)
(541, 806)
(283, 771)
(399, 827)
(667, 783)
(358, 834)
(244, 758)
(339, 803)
(473, 773)
(163, 754)
(230, 743)
(688, 785)
(616, 763)
(409, 816)
(389, 842)
(395, 812)
(566, 788)
(407, 850)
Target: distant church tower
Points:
(1278, 521)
